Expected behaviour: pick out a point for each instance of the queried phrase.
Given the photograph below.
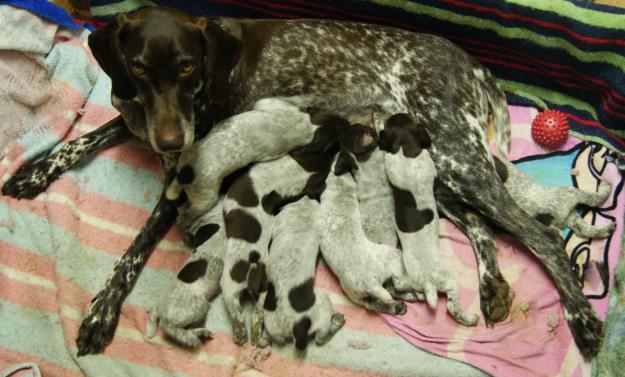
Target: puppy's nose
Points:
(170, 140)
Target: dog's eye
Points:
(186, 68)
(138, 69)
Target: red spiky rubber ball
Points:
(550, 128)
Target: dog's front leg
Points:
(98, 327)
(33, 178)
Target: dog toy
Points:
(550, 128)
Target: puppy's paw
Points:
(202, 334)
(587, 330)
(495, 299)
(604, 191)
(400, 308)
(605, 231)
(239, 334)
(98, 327)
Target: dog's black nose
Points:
(170, 142)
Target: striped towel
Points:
(57, 251)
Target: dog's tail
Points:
(499, 119)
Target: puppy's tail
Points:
(499, 119)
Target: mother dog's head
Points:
(165, 66)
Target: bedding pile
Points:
(57, 250)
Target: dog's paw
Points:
(98, 327)
(587, 330)
(29, 180)
(495, 299)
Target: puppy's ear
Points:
(105, 46)
(223, 51)
(359, 139)
(383, 141)
(300, 333)
(421, 135)
(328, 133)
(345, 163)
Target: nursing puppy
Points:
(375, 197)
(363, 267)
(411, 173)
(271, 129)
(254, 197)
(181, 311)
(293, 309)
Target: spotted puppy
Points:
(411, 173)
(293, 309)
(362, 266)
(554, 206)
(252, 201)
(375, 197)
(271, 129)
(182, 310)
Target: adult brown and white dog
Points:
(174, 75)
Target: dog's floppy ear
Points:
(223, 51)
(104, 44)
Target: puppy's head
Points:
(334, 129)
(164, 66)
(401, 131)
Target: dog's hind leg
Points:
(476, 183)
(33, 178)
(495, 293)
